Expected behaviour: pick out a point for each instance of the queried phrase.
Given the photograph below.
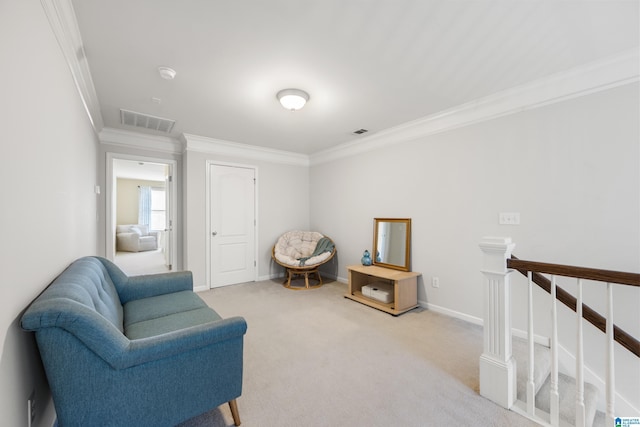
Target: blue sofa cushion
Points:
(171, 323)
(165, 313)
(161, 305)
(85, 282)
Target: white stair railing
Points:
(497, 367)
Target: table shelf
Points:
(405, 287)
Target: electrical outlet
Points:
(31, 408)
(435, 282)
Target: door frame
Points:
(110, 214)
(210, 163)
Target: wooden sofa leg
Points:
(234, 412)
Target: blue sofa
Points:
(134, 351)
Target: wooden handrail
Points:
(608, 276)
(589, 314)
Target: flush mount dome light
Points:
(293, 99)
(167, 73)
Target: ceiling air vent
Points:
(146, 121)
(360, 131)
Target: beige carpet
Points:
(136, 263)
(314, 358)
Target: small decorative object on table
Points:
(366, 258)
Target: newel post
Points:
(497, 366)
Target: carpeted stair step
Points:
(567, 392)
(541, 371)
(541, 365)
(600, 420)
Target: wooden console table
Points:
(405, 287)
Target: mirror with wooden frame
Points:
(392, 243)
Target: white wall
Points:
(127, 198)
(283, 205)
(49, 205)
(571, 169)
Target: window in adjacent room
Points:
(158, 209)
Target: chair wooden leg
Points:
(234, 412)
(289, 274)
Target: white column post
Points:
(497, 366)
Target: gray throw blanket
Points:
(324, 245)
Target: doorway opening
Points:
(140, 235)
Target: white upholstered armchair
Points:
(135, 238)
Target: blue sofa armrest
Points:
(92, 329)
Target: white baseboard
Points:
(451, 313)
(270, 277)
(282, 277)
(538, 339)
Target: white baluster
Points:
(610, 360)
(580, 410)
(531, 386)
(554, 395)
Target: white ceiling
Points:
(133, 169)
(366, 64)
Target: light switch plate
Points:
(509, 218)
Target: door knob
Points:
(213, 233)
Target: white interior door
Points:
(232, 224)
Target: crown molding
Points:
(62, 20)
(207, 145)
(139, 140)
(611, 72)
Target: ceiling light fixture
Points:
(167, 73)
(292, 99)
